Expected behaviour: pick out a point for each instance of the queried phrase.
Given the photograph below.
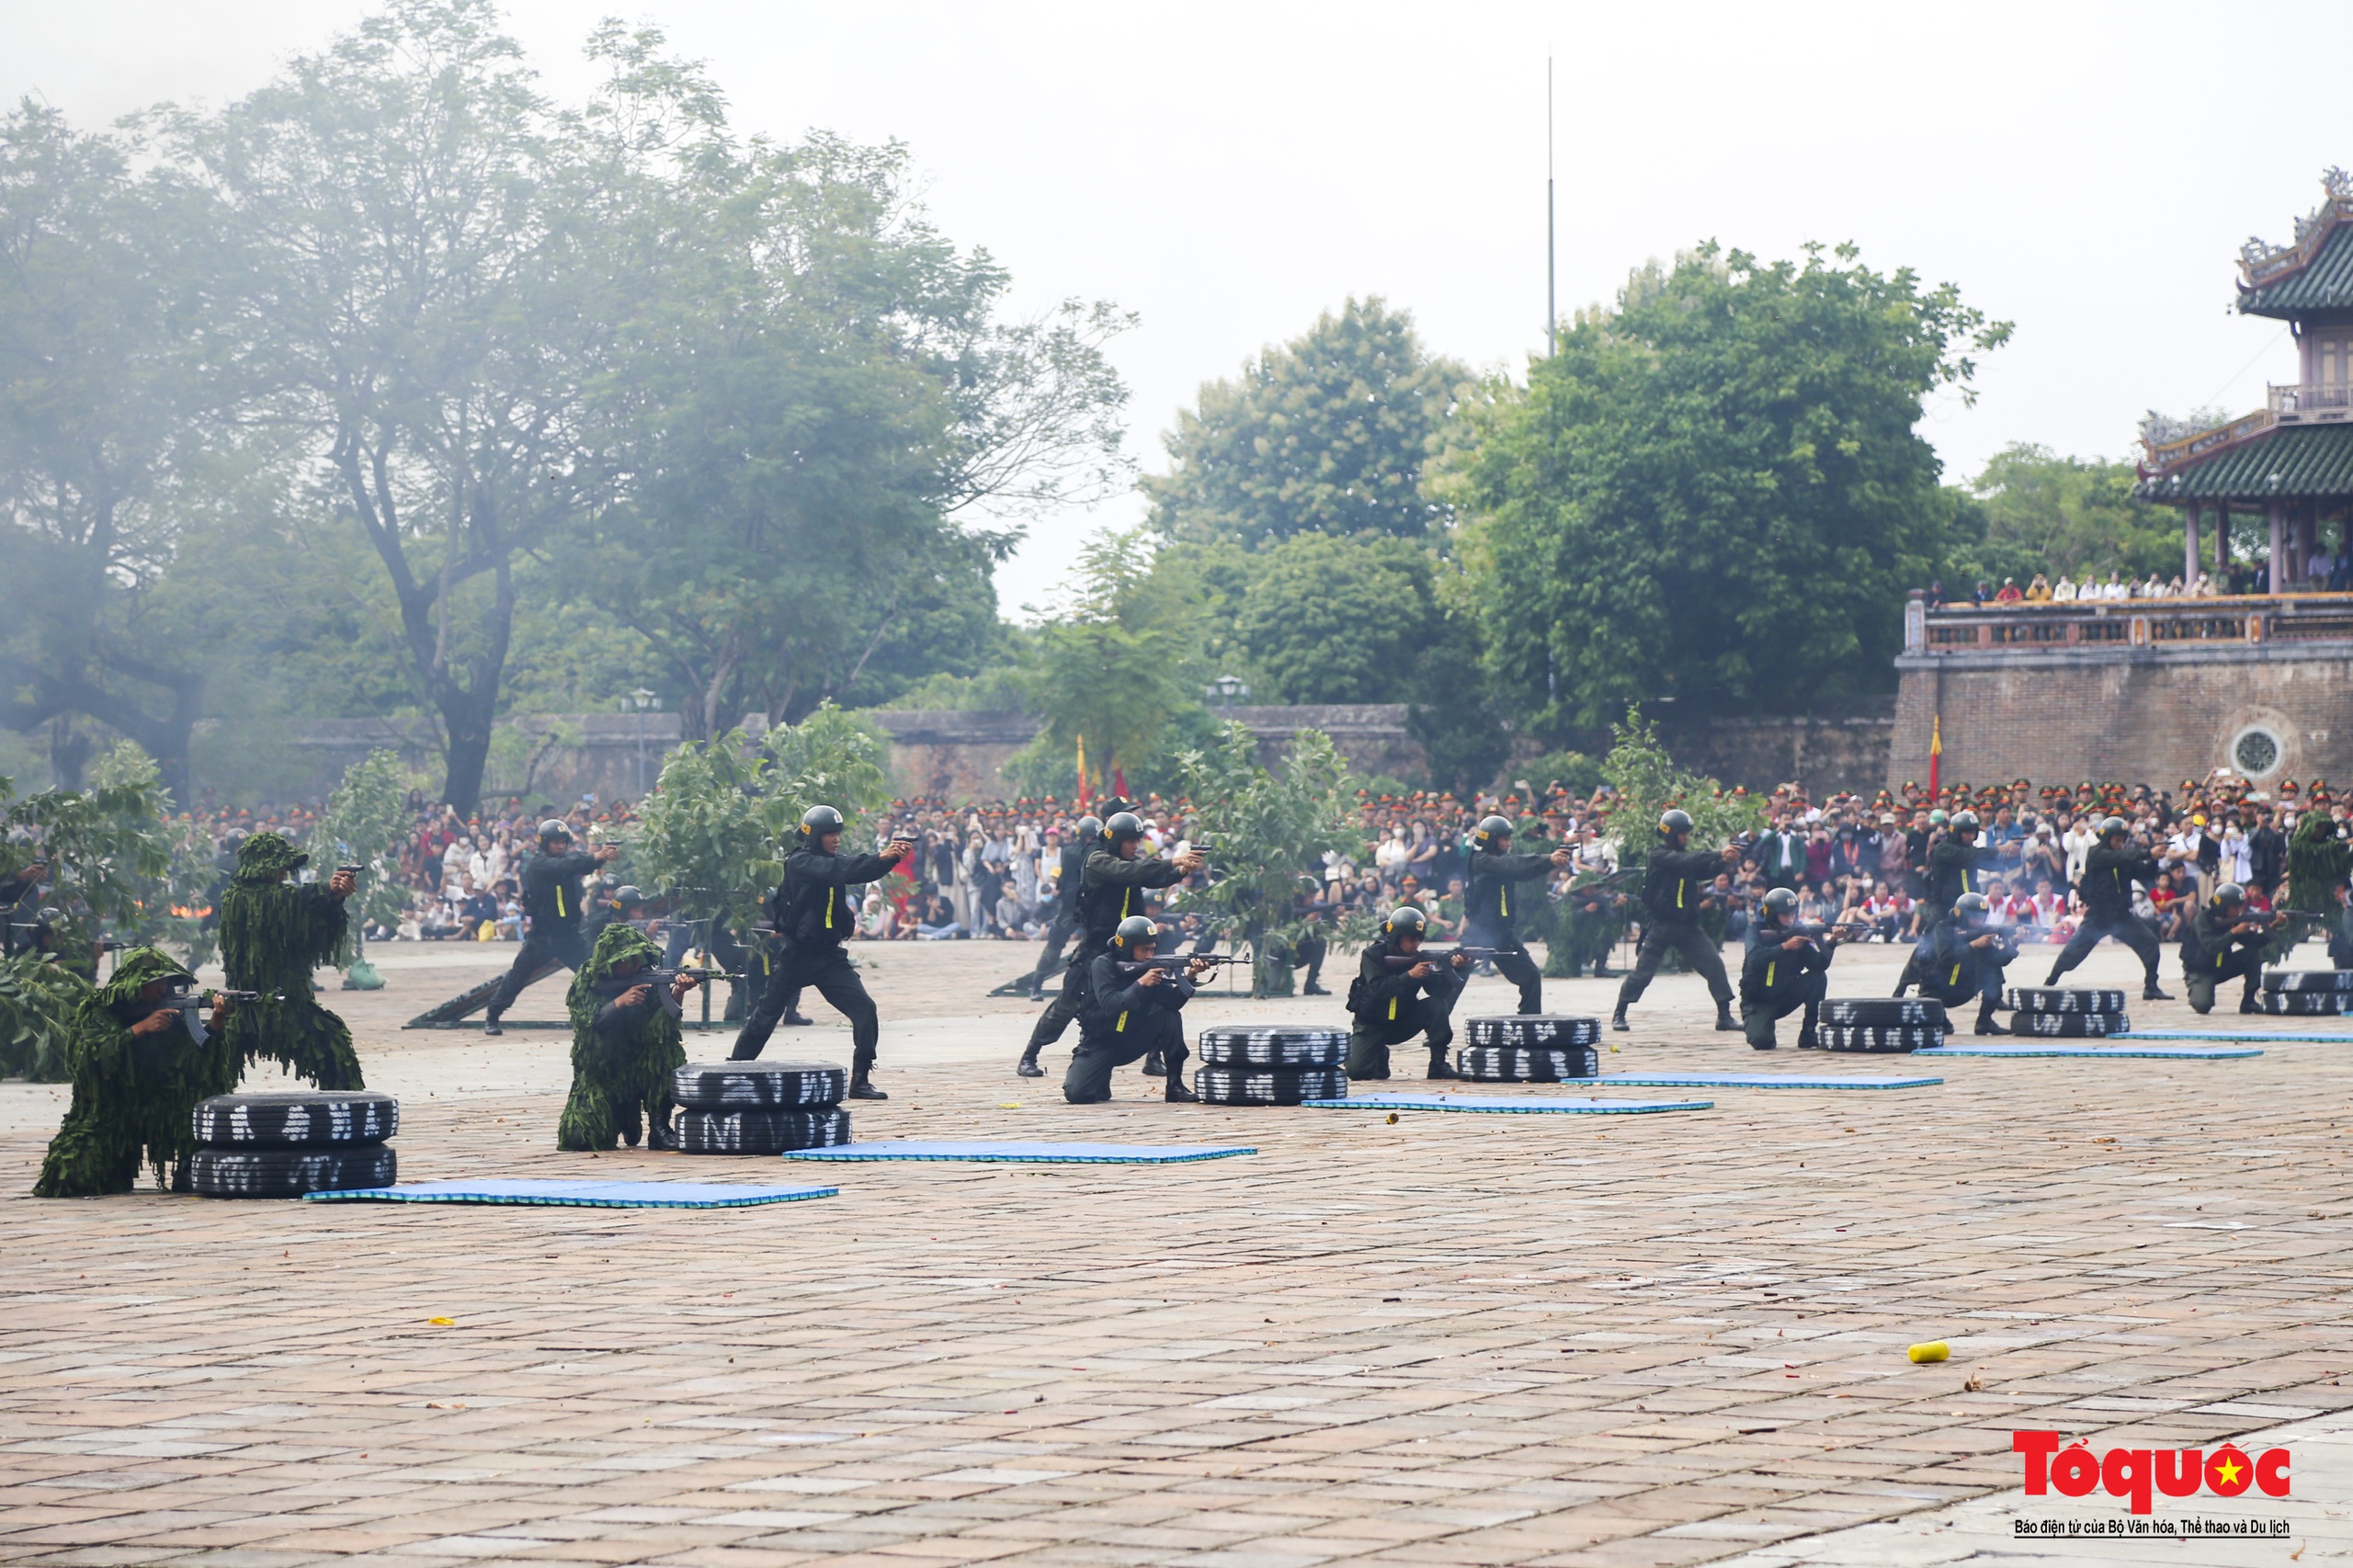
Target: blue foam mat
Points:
(1520, 1104)
(1753, 1081)
(580, 1194)
(2160, 1052)
(1028, 1154)
(2341, 1036)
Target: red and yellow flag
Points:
(1936, 750)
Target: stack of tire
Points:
(283, 1145)
(1531, 1047)
(760, 1108)
(1272, 1067)
(2307, 991)
(2075, 1011)
(1881, 1023)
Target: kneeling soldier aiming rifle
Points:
(2223, 942)
(1787, 967)
(1962, 958)
(1131, 1006)
(1401, 991)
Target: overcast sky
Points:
(1228, 171)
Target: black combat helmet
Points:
(2114, 827)
(1491, 829)
(627, 893)
(1405, 921)
(818, 821)
(1964, 823)
(1674, 821)
(1090, 827)
(554, 828)
(1134, 931)
(1781, 901)
(2230, 893)
(1123, 826)
(1970, 906)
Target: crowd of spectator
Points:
(2323, 573)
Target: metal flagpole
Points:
(1551, 309)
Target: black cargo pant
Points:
(1064, 1010)
(2126, 929)
(1049, 956)
(1699, 951)
(559, 947)
(829, 971)
(2211, 976)
(1394, 1023)
(1759, 1016)
(1511, 961)
(1101, 1048)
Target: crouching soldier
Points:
(1962, 958)
(2219, 945)
(141, 1059)
(1398, 994)
(625, 1045)
(1786, 969)
(1132, 1006)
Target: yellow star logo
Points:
(2229, 1471)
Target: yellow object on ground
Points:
(1935, 1350)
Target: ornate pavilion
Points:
(2291, 462)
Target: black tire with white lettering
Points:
(2307, 1003)
(761, 1131)
(1281, 1085)
(301, 1118)
(289, 1173)
(2321, 980)
(2071, 1026)
(2063, 999)
(1273, 1048)
(752, 1085)
(1883, 1012)
(1533, 1030)
(1877, 1037)
(1527, 1064)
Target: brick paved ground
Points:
(1456, 1339)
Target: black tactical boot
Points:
(490, 1024)
(862, 1088)
(1618, 1019)
(1028, 1066)
(1177, 1092)
(1439, 1067)
(660, 1134)
(1725, 1022)
(1986, 1024)
(2149, 993)
(1154, 1066)
(794, 1018)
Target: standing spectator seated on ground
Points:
(939, 922)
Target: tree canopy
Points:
(2032, 510)
(1327, 433)
(1714, 492)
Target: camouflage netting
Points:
(134, 1099)
(273, 935)
(617, 1073)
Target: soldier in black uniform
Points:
(1956, 866)
(1675, 880)
(2340, 935)
(1784, 970)
(1069, 878)
(1393, 1002)
(2221, 944)
(554, 905)
(1490, 906)
(1111, 885)
(1310, 909)
(16, 889)
(2110, 868)
(610, 906)
(1130, 1011)
(813, 917)
(1962, 958)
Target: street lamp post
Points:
(644, 700)
(1229, 687)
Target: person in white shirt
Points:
(2077, 841)
(2064, 593)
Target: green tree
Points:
(1327, 433)
(1714, 492)
(1117, 669)
(366, 817)
(1646, 782)
(2042, 512)
(1331, 620)
(1266, 829)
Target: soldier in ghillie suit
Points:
(272, 936)
(625, 1045)
(138, 1069)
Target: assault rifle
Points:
(662, 983)
(1177, 963)
(1439, 955)
(1817, 929)
(181, 995)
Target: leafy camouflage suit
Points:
(273, 934)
